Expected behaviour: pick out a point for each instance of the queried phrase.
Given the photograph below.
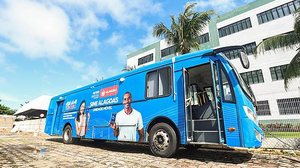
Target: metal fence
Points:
(281, 134)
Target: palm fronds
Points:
(292, 70)
(289, 40)
(185, 29)
(282, 41)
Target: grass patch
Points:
(282, 134)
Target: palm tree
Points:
(289, 40)
(185, 30)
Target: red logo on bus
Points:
(109, 91)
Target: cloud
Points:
(124, 51)
(95, 44)
(125, 12)
(114, 38)
(128, 12)
(248, 1)
(8, 47)
(54, 29)
(2, 80)
(75, 65)
(37, 30)
(93, 72)
(86, 25)
(2, 58)
(148, 38)
(6, 66)
(217, 5)
(9, 98)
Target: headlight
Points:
(250, 114)
(258, 135)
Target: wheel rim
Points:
(67, 135)
(161, 140)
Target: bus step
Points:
(206, 136)
(206, 125)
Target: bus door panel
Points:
(57, 118)
(229, 110)
(187, 105)
(217, 102)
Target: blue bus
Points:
(197, 98)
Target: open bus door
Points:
(187, 105)
(217, 99)
(203, 122)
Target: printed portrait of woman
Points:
(82, 120)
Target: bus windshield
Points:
(245, 87)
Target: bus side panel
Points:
(101, 112)
(231, 121)
(70, 110)
(231, 114)
(48, 125)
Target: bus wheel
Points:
(163, 140)
(67, 135)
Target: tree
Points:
(185, 30)
(289, 40)
(6, 110)
(128, 68)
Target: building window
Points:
(145, 59)
(263, 108)
(289, 106)
(167, 51)
(235, 27)
(158, 83)
(277, 73)
(278, 12)
(204, 38)
(253, 77)
(250, 48)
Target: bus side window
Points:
(158, 83)
(227, 90)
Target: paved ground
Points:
(25, 150)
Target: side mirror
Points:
(244, 60)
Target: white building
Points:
(248, 26)
(35, 112)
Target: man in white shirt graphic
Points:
(128, 121)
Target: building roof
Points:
(39, 104)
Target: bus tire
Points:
(163, 140)
(67, 135)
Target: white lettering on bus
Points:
(102, 108)
(104, 102)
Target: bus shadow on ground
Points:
(200, 154)
(215, 155)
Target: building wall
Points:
(35, 125)
(268, 90)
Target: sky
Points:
(53, 46)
